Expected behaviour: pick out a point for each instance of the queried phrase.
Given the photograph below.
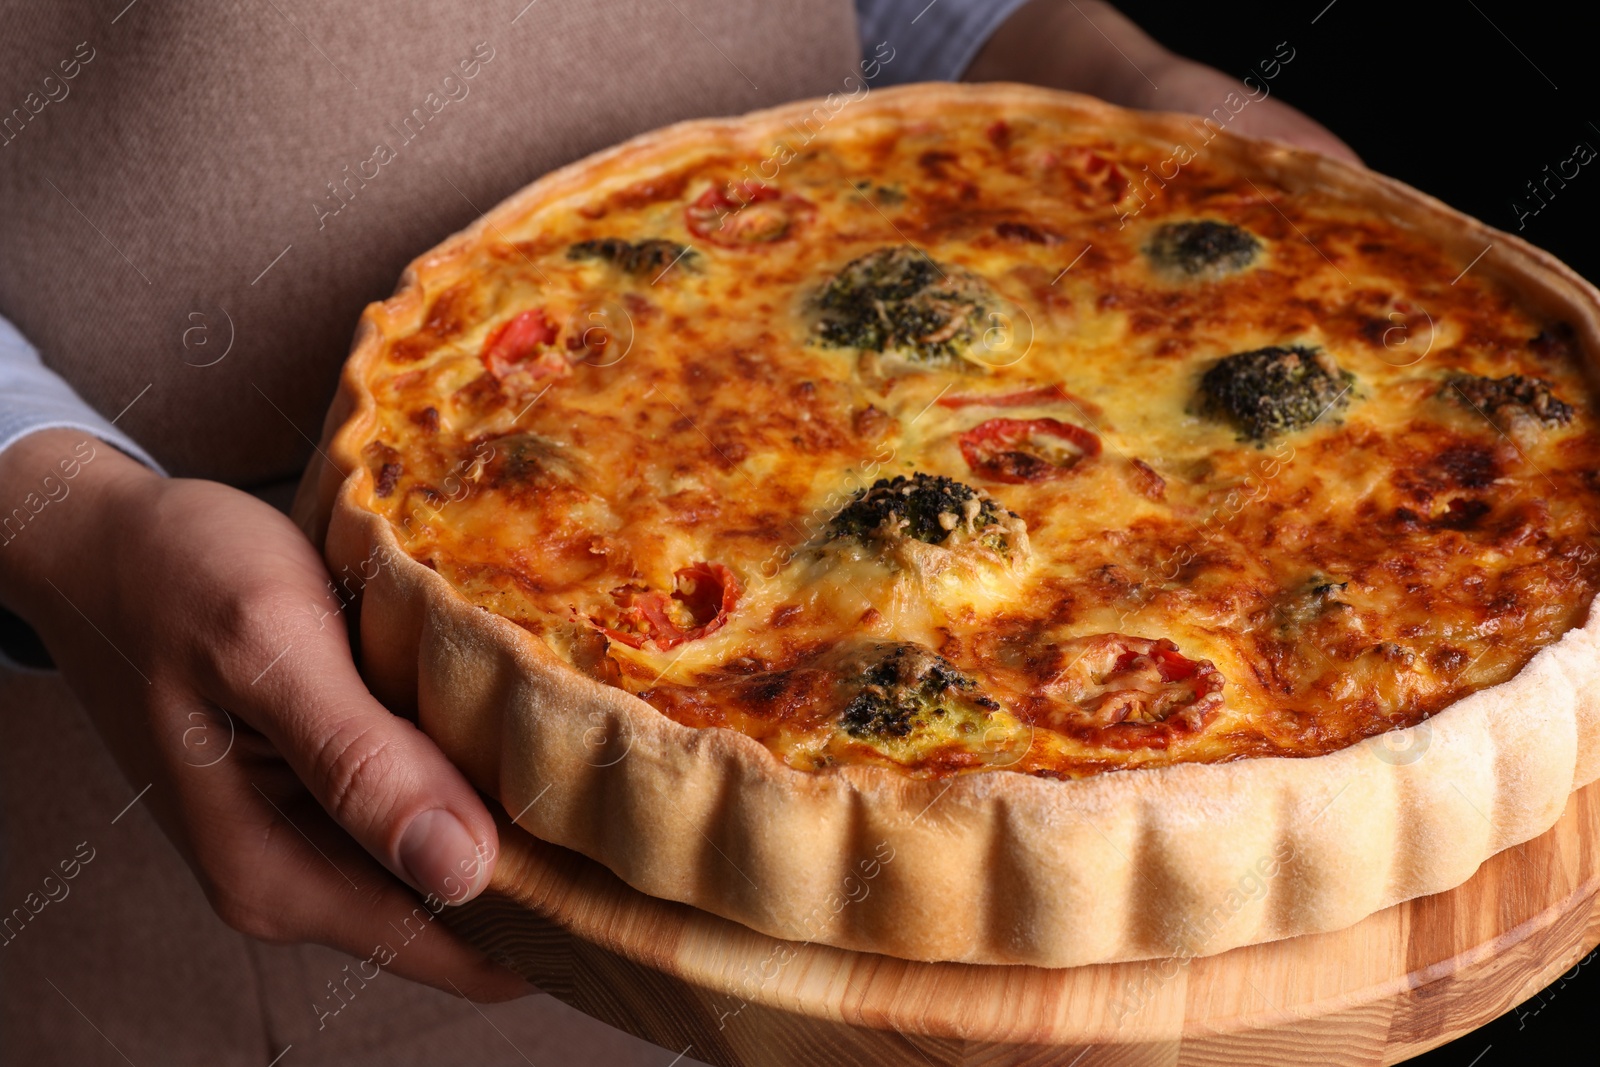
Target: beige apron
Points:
(196, 200)
(210, 175)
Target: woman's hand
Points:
(1088, 46)
(197, 626)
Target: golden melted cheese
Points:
(1343, 579)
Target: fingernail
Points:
(441, 857)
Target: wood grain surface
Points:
(1402, 981)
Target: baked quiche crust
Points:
(1182, 858)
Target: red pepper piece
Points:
(1022, 451)
(521, 346)
(745, 213)
(1043, 394)
(709, 592)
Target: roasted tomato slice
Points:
(522, 346)
(1126, 691)
(1018, 451)
(705, 595)
(745, 213)
(1098, 172)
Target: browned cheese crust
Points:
(982, 435)
(674, 408)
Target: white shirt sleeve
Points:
(929, 41)
(33, 398)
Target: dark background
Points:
(1469, 103)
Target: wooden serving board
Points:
(1397, 984)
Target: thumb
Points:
(380, 777)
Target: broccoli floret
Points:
(899, 300)
(1532, 395)
(887, 194)
(649, 256)
(926, 507)
(1275, 390)
(906, 686)
(521, 463)
(1311, 600)
(1203, 247)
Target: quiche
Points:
(980, 523)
